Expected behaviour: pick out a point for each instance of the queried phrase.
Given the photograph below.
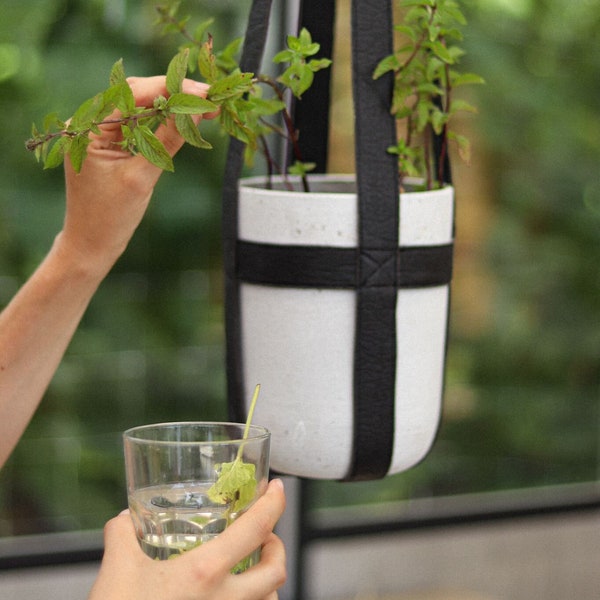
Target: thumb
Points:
(120, 536)
(122, 558)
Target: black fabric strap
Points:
(335, 268)
(377, 181)
(311, 113)
(254, 43)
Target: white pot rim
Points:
(344, 179)
(329, 217)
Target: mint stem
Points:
(249, 419)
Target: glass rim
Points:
(255, 433)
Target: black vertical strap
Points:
(377, 180)
(311, 112)
(441, 156)
(254, 43)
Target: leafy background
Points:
(523, 380)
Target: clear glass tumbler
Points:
(186, 482)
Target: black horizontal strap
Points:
(330, 267)
(425, 266)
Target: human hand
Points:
(108, 198)
(203, 573)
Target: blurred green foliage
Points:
(150, 346)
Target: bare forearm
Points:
(35, 330)
(105, 203)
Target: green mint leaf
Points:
(201, 30)
(188, 104)
(226, 58)
(461, 105)
(207, 64)
(318, 64)
(87, 112)
(78, 151)
(307, 46)
(264, 106)
(52, 121)
(297, 77)
(55, 157)
(176, 72)
(283, 56)
(120, 96)
(234, 126)
(190, 133)
(117, 73)
(301, 168)
(236, 485)
(231, 86)
(463, 144)
(467, 79)
(389, 63)
(151, 148)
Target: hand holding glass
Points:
(186, 482)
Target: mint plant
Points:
(244, 109)
(425, 72)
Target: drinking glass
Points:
(186, 482)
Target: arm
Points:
(105, 203)
(202, 573)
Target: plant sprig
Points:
(425, 77)
(244, 110)
(59, 139)
(248, 116)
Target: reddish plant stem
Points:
(292, 133)
(33, 143)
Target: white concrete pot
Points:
(298, 343)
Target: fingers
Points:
(145, 89)
(270, 573)
(120, 532)
(207, 568)
(251, 531)
(261, 580)
(255, 527)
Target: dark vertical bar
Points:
(377, 182)
(254, 43)
(311, 112)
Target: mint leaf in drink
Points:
(236, 484)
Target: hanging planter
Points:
(337, 299)
(298, 297)
(298, 292)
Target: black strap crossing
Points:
(335, 268)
